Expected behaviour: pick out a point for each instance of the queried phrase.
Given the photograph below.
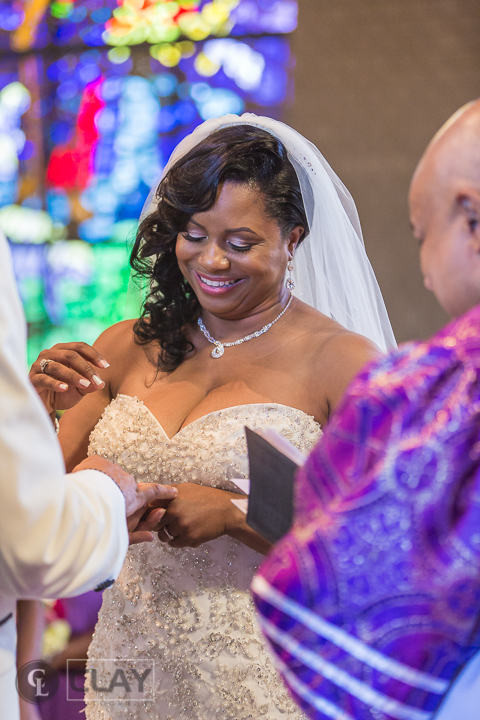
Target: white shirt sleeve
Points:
(463, 699)
(60, 534)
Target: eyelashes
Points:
(201, 238)
(193, 238)
(241, 248)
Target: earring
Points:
(289, 283)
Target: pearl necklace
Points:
(219, 348)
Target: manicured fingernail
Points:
(63, 386)
(104, 363)
(97, 380)
(84, 383)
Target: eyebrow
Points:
(230, 231)
(241, 229)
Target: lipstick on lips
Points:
(215, 285)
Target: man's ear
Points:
(294, 238)
(469, 203)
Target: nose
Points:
(427, 283)
(425, 269)
(213, 257)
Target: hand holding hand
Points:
(68, 375)
(140, 523)
(199, 514)
(143, 523)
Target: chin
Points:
(218, 304)
(455, 308)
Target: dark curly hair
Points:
(240, 154)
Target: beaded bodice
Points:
(209, 451)
(190, 609)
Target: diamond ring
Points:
(170, 537)
(43, 365)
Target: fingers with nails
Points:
(143, 532)
(71, 364)
(71, 373)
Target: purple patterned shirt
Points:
(371, 603)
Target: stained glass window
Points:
(94, 95)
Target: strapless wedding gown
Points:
(189, 610)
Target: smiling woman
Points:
(228, 218)
(240, 201)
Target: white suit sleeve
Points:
(60, 534)
(463, 699)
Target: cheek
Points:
(270, 265)
(183, 255)
(183, 251)
(440, 264)
(424, 266)
(278, 257)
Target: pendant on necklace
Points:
(218, 350)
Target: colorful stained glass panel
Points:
(88, 120)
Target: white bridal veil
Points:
(332, 272)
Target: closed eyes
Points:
(194, 238)
(200, 238)
(240, 248)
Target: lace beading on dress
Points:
(189, 609)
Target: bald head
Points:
(454, 151)
(445, 211)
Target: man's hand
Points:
(144, 522)
(140, 520)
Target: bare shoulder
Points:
(336, 355)
(343, 357)
(331, 340)
(118, 346)
(119, 342)
(349, 348)
(117, 338)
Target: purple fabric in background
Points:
(372, 602)
(81, 613)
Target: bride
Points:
(262, 306)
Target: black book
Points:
(273, 462)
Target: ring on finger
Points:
(169, 535)
(44, 364)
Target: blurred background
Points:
(94, 95)
(374, 80)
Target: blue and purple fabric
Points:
(372, 602)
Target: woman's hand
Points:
(68, 376)
(199, 514)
